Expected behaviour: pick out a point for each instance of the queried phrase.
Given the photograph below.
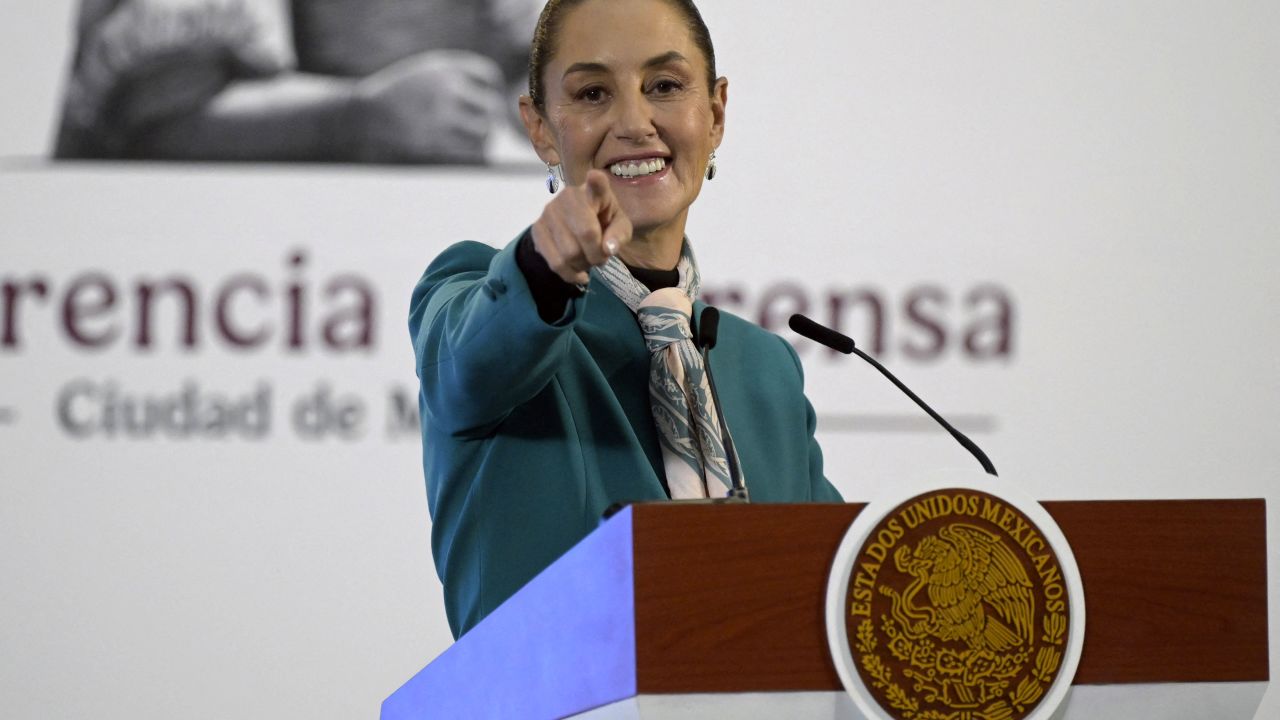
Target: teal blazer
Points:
(531, 430)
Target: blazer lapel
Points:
(610, 333)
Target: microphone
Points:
(843, 343)
(708, 329)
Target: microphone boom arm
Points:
(843, 343)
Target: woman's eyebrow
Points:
(665, 58)
(655, 61)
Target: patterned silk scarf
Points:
(679, 394)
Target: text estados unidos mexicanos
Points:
(989, 509)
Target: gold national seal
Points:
(957, 609)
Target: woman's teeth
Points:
(637, 168)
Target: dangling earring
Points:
(711, 166)
(553, 181)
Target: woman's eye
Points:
(591, 94)
(666, 87)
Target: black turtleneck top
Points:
(551, 293)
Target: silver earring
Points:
(711, 166)
(553, 182)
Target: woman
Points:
(541, 402)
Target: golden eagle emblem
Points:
(978, 592)
(956, 610)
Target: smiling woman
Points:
(643, 105)
(559, 374)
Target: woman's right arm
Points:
(482, 348)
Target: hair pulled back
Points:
(548, 30)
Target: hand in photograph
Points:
(434, 107)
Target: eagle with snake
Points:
(978, 592)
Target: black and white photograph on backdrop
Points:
(360, 81)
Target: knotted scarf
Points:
(684, 412)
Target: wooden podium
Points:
(693, 611)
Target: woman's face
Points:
(626, 92)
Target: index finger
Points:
(615, 224)
(599, 194)
(617, 232)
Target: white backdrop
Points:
(1111, 168)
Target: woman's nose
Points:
(634, 120)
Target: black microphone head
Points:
(708, 327)
(821, 334)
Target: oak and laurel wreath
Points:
(882, 677)
(922, 654)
